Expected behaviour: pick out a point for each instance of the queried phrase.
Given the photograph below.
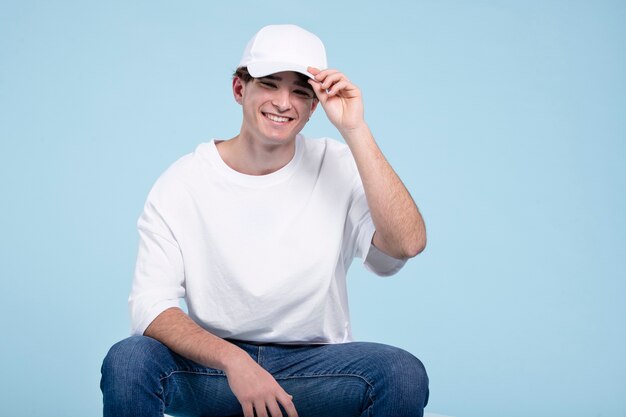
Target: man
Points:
(257, 233)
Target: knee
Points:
(131, 376)
(127, 360)
(399, 374)
(403, 368)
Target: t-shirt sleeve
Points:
(158, 282)
(361, 229)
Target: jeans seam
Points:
(189, 371)
(326, 375)
(371, 395)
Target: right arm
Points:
(254, 387)
(158, 286)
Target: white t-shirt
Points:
(256, 258)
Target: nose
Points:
(281, 100)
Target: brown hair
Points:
(243, 74)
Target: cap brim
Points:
(262, 69)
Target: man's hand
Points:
(340, 99)
(256, 389)
(400, 230)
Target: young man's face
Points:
(275, 107)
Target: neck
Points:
(252, 158)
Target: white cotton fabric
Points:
(256, 258)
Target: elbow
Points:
(405, 247)
(415, 240)
(414, 248)
(415, 244)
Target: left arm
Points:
(400, 230)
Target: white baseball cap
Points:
(278, 48)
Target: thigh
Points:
(370, 362)
(333, 395)
(199, 393)
(351, 376)
(141, 376)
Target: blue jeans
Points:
(142, 377)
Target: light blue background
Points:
(504, 118)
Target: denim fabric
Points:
(142, 377)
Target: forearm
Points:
(254, 387)
(400, 230)
(177, 331)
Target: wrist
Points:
(234, 359)
(356, 133)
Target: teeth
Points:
(276, 118)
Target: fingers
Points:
(285, 400)
(314, 71)
(261, 407)
(332, 82)
(258, 392)
(248, 409)
(261, 410)
(288, 405)
(320, 74)
(337, 87)
(272, 406)
(330, 77)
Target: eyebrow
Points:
(298, 81)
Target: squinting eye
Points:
(266, 84)
(304, 94)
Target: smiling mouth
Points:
(276, 118)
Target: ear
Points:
(314, 106)
(238, 89)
